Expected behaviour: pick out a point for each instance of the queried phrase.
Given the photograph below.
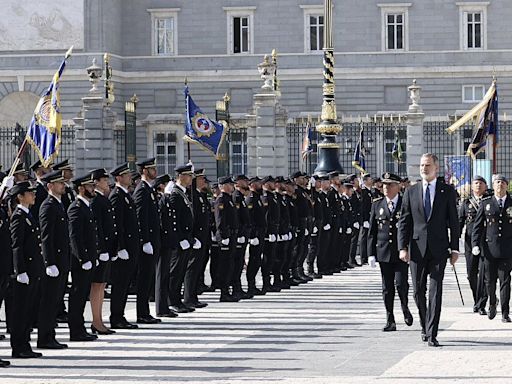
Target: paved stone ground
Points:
(328, 331)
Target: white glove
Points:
(290, 236)
(372, 261)
(213, 237)
(197, 244)
(52, 271)
(366, 224)
(476, 250)
(285, 237)
(279, 238)
(241, 240)
(254, 241)
(184, 244)
(272, 238)
(224, 241)
(148, 248)
(327, 227)
(114, 258)
(7, 183)
(349, 231)
(104, 256)
(87, 266)
(122, 254)
(306, 232)
(356, 225)
(22, 278)
(97, 262)
(340, 230)
(315, 229)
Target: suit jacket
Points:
(5, 240)
(272, 212)
(201, 208)
(244, 220)
(53, 220)
(41, 194)
(26, 244)
(318, 211)
(256, 214)
(226, 217)
(126, 221)
(82, 233)
(335, 207)
(180, 219)
(382, 234)
(68, 197)
(440, 233)
(284, 214)
(493, 228)
(145, 199)
(366, 204)
(105, 222)
(327, 211)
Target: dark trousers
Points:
(24, 300)
(279, 260)
(179, 262)
(238, 266)
(333, 252)
(163, 267)
(214, 264)
(6, 297)
(394, 275)
(420, 270)
(363, 244)
(345, 248)
(499, 269)
(312, 254)
(475, 266)
(52, 292)
(267, 263)
(204, 263)
(291, 256)
(121, 276)
(300, 247)
(323, 252)
(194, 268)
(80, 288)
(354, 243)
(145, 273)
(226, 265)
(254, 264)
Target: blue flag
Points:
(458, 173)
(487, 124)
(200, 129)
(359, 161)
(307, 144)
(44, 132)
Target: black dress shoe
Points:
(27, 355)
(255, 292)
(54, 344)
(492, 312)
(2, 337)
(62, 318)
(95, 331)
(351, 266)
(424, 336)
(343, 267)
(475, 310)
(432, 342)
(390, 327)
(482, 311)
(274, 288)
(318, 275)
(179, 309)
(4, 363)
(148, 320)
(506, 319)
(408, 317)
(83, 337)
(169, 314)
(123, 325)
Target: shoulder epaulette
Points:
(486, 198)
(377, 199)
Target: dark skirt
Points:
(101, 273)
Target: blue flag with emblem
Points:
(44, 132)
(457, 172)
(359, 161)
(200, 129)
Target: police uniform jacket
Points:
(53, 220)
(106, 224)
(126, 221)
(82, 233)
(382, 234)
(493, 227)
(366, 204)
(244, 218)
(146, 201)
(304, 205)
(293, 211)
(318, 211)
(202, 211)
(355, 201)
(257, 215)
(26, 244)
(41, 194)
(68, 197)
(226, 217)
(272, 212)
(334, 203)
(467, 215)
(178, 218)
(326, 209)
(284, 214)
(348, 215)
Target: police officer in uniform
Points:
(28, 269)
(146, 202)
(383, 247)
(336, 213)
(55, 246)
(257, 235)
(84, 242)
(348, 227)
(272, 217)
(355, 201)
(20, 173)
(325, 230)
(318, 218)
(291, 257)
(366, 206)
(67, 172)
(493, 229)
(475, 264)
(41, 192)
(283, 233)
(126, 252)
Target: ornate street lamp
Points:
(328, 159)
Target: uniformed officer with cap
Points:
(41, 192)
(272, 215)
(226, 220)
(84, 242)
(291, 258)
(337, 209)
(149, 224)
(383, 247)
(182, 242)
(326, 227)
(28, 269)
(355, 201)
(283, 235)
(107, 233)
(20, 173)
(55, 246)
(126, 251)
(475, 264)
(318, 218)
(257, 236)
(366, 206)
(348, 227)
(493, 229)
(67, 172)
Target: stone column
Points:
(94, 128)
(267, 147)
(415, 138)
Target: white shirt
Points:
(432, 189)
(86, 202)
(394, 200)
(24, 209)
(183, 189)
(123, 188)
(98, 191)
(55, 197)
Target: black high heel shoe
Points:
(95, 331)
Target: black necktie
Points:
(427, 205)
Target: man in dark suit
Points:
(428, 234)
(492, 236)
(383, 247)
(126, 252)
(55, 245)
(84, 242)
(149, 220)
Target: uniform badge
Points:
(488, 207)
(381, 211)
(238, 206)
(221, 206)
(509, 211)
(28, 221)
(259, 203)
(250, 206)
(127, 201)
(152, 197)
(200, 199)
(231, 203)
